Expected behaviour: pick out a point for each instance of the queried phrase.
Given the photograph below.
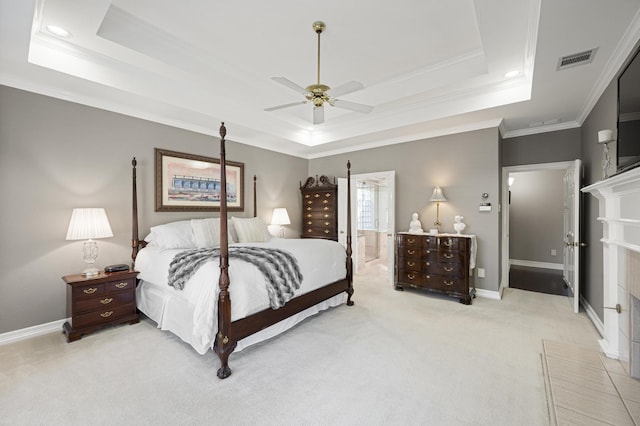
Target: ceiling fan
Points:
(319, 93)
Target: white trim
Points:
(488, 294)
(29, 332)
(535, 264)
(597, 323)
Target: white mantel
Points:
(619, 200)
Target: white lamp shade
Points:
(437, 195)
(280, 217)
(88, 224)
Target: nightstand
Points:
(98, 301)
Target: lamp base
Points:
(91, 271)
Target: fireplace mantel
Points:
(619, 212)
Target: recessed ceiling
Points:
(429, 67)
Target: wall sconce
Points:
(87, 224)
(280, 217)
(605, 137)
(437, 197)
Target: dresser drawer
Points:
(106, 301)
(88, 291)
(102, 316)
(448, 284)
(409, 240)
(409, 264)
(410, 277)
(452, 244)
(450, 269)
(410, 252)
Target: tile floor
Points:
(587, 388)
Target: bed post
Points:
(134, 215)
(255, 198)
(223, 345)
(349, 250)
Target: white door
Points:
(571, 252)
(390, 179)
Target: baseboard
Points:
(488, 294)
(26, 333)
(533, 264)
(597, 323)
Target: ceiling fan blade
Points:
(318, 115)
(290, 84)
(352, 106)
(273, 108)
(345, 88)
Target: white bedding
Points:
(191, 313)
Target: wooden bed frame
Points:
(229, 333)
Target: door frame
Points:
(504, 229)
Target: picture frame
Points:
(189, 182)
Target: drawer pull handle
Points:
(448, 282)
(106, 301)
(448, 269)
(309, 202)
(106, 314)
(310, 222)
(428, 277)
(411, 263)
(325, 201)
(448, 255)
(326, 208)
(411, 276)
(309, 215)
(90, 290)
(327, 223)
(326, 231)
(328, 194)
(447, 243)
(428, 251)
(122, 285)
(316, 195)
(428, 263)
(308, 208)
(326, 215)
(411, 251)
(411, 241)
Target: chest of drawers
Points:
(94, 302)
(319, 209)
(438, 263)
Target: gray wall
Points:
(602, 116)
(536, 216)
(550, 147)
(57, 155)
(465, 165)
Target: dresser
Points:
(438, 263)
(319, 208)
(98, 301)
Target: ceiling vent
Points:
(576, 59)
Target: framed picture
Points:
(187, 182)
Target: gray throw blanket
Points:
(280, 268)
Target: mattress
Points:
(191, 313)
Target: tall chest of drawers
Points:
(438, 263)
(95, 302)
(319, 208)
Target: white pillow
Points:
(251, 230)
(173, 235)
(206, 232)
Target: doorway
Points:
(373, 222)
(534, 248)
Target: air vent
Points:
(576, 59)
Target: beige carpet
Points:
(394, 358)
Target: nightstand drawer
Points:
(103, 315)
(88, 291)
(106, 301)
(409, 264)
(120, 285)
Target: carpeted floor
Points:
(405, 358)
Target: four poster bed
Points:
(270, 285)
